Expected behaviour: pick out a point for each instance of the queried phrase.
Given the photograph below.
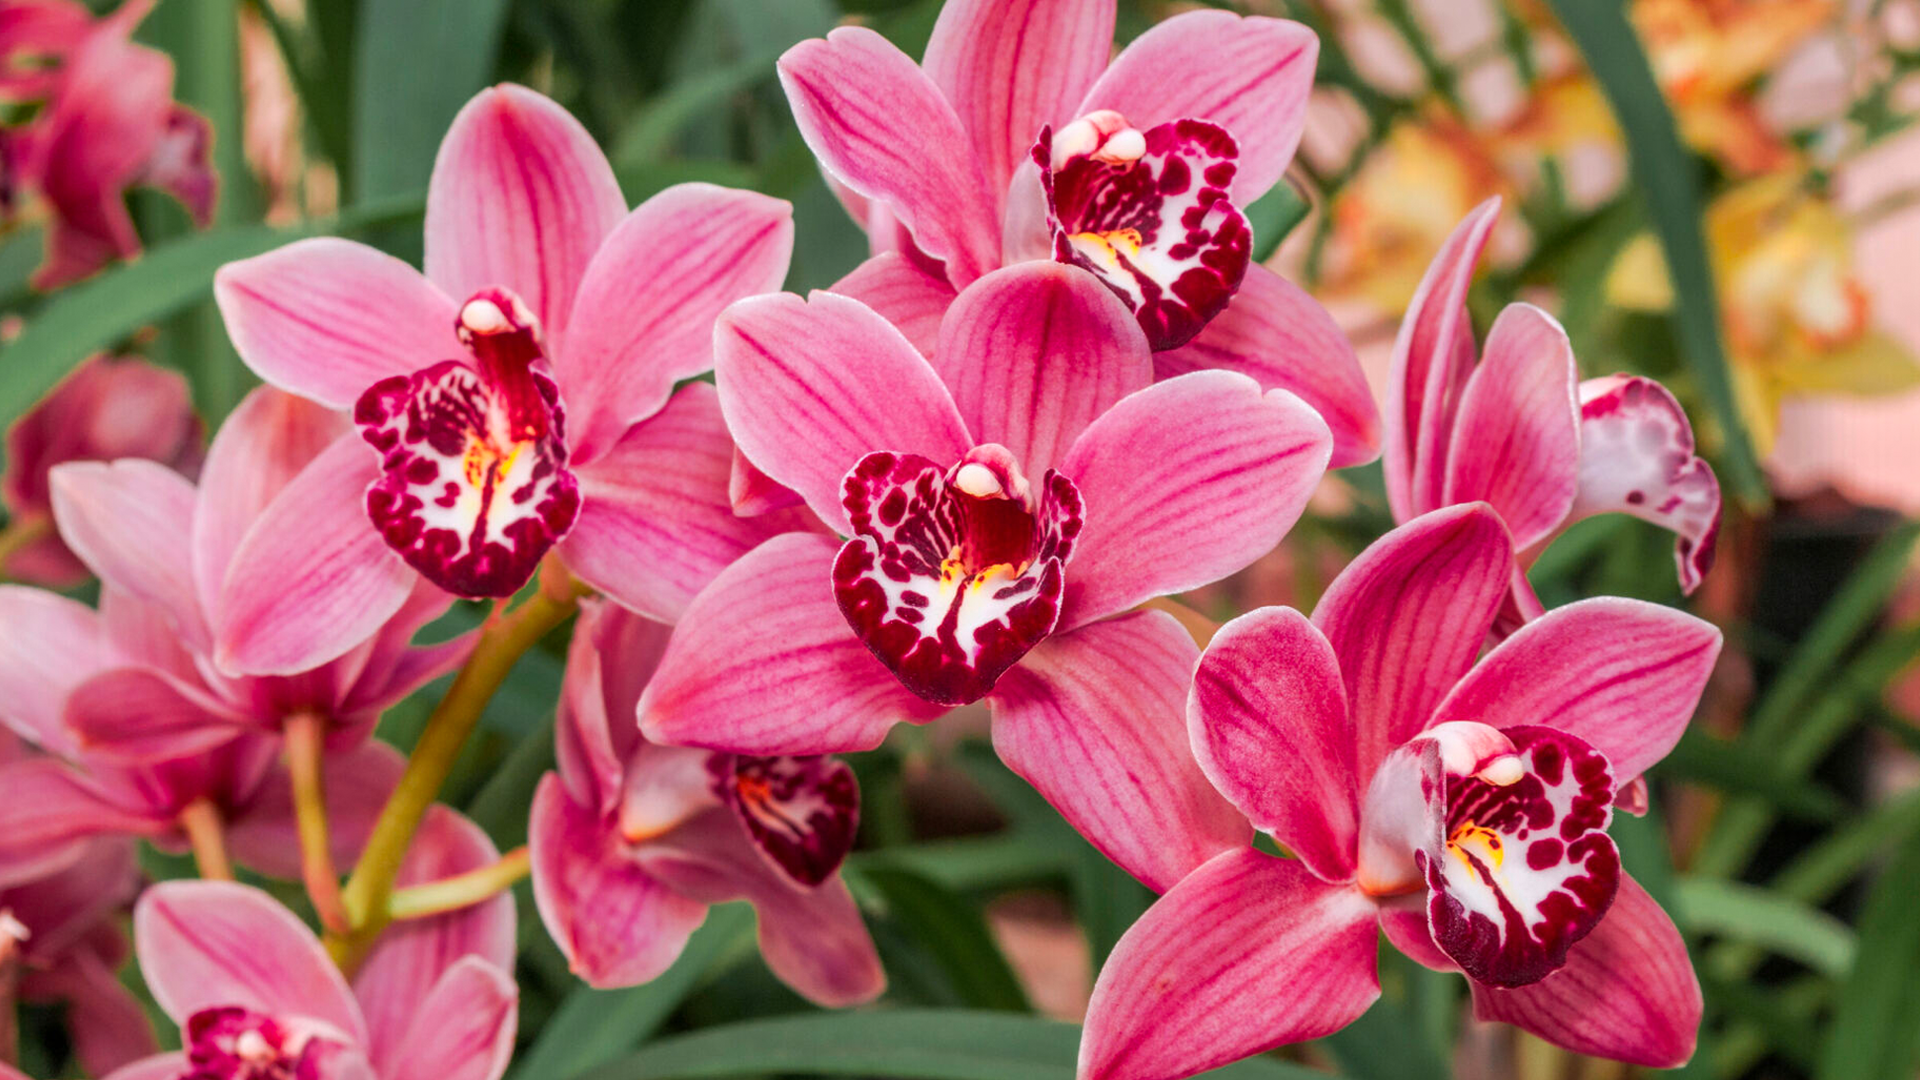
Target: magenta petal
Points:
(594, 731)
(801, 812)
(135, 714)
(811, 387)
(1278, 334)
(520, 198)
(1269, 724)
(1034, 353)
(1184, 483)
(1403, 920)
(1249, 75)
(1637, 457)
(903, 293)
(50, 814)
(881, 127)
(460, 1029)
(109, 1025)
(644, 317)
(1247, 953)
(326, 318)
(1093, 719)
(1627, 992)
(51, 644)
(131, 521)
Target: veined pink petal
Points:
(132, 715)
(326, 318)
(130, 521)
(1278, 334)
(460, 1029)
(1637, 457)
(1011, 69)
(656, 523)
(521, 198)
(753, 492)
(395, 667)
(204, 944)
(1184, 483)
(1033, 353)
(1516, 441)
(644, 317)
(1628, 991)
(881, 127)
(50, 815)
(764, 663)
(1249, 75)
(1622, 675)
(1432, 357)
(51, 644)
(1408, 616)
(263, 835)
(904, 294)
(1269, 725)
(595, 733)
(1247, 953)
(1094, 720)
(811, 387)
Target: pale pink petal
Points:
(1269, 724)
(1637, 457)
(133, 715)
(1034, 353)
(1408, 616)
(811, 387)
(263, 836)
(881, 127)
(1094, 720)
(131, 522)
(1247, 953)
(395, 667)
(51, 813)
(204, 944)
(51, 643)
(1249, 75)
(1627, 992)
(1516, 441)
(460, 1029)
(326, 318)
(644, 317)
(520, 198)
(903, 293)
(1278, 334)
(1184, 483)
(765, 663)
(159, 1067)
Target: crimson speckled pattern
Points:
(801, 812)
(232, 1043)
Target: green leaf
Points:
(950, 929)
(1875, 1033)
(1784, 926)
(1386, 1043)
(417, 62)
(649, 134)
(1274, 215)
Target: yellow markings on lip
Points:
(481, 457)
(1125, 241)
(1470, 839)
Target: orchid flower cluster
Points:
(1058, 392)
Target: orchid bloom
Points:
(106, 121)
(632, 841)
(1015, 140)
(1462, 808)
(1519, 430)
(998, 527)
(257, 997)
(109, 407)
(520, 393)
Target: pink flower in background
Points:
(1137, 172)
(520, 394)
(632, 841)
(1461, 808)
(1000, 524)
(1519, 430)
(106, 121)
(109, 407)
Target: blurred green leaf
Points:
(1275, 215)
(1738, 769)
(417, 62)
(951, 930)
(1780, 924)
(1386, 1043)
(1875, 1033)
(500, 806)
(650, 132)
(1106, 899)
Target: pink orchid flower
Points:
(1015, 139)
(631, 841)
(108, 408)
(256, 995)
(107, 121)
(1461, 808)
(520, 393)
(1519, 430)
(999, 525)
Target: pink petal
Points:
(904, 294)
(109, 1026)
(1622, 675)
(1011, 69)
(395, 667)
(801, 812)
(881, 127)
(1093, 719)
(51, 644)
(51, 813)
(811, 387)
(1184, 483)
(1277, 333)
(210, 943)
(1404, 922)
(326, 318)
(644, 317)
(460, 1029)
(521, 198)
(1628, 991)
(1247, 953)
(1249, 75)
(1637, 457)
(656, 523)
(1432, 357)
(594, 730)
(130, 522)
(1269, 725)
(132, 715)
(764, 663)
(262, 834)
(1516, 441)
(753, 492)
(159, 1067)
(1034, 353)
(1408, 616)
